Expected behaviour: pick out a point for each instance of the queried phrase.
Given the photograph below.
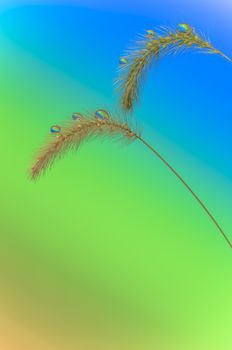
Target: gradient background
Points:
(108, 250)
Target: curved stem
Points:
(188, 188)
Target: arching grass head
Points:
(151, 47)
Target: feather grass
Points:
(166, 41)
(75, 133)
(116, 127)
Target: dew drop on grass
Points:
(150, 34)
(55, 129)
(102, 114)
(123, 60)
(184, 28)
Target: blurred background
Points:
(109, 250)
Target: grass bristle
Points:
(146, 50)
(76, 133)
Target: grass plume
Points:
(87, 127)
(76, 133)
(151, 48)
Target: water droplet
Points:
(77, 116)
(184, 28)
(102, 114)
(55, 129)
(150, 34)
(123, 60)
